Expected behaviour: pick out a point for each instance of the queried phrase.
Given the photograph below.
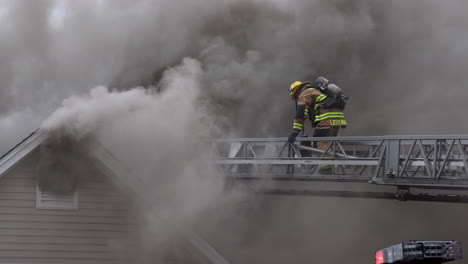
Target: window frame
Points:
(56, 205)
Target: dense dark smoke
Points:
(400, 62)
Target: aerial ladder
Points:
(386, 167)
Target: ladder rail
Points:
(383, 160)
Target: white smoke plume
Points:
(82, 115)
(154, 134)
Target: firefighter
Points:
(323, 103)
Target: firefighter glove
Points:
(293, 136)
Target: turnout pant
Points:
(331, 131)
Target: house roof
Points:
(18, 152)
(36, 138)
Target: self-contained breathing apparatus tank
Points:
(335, 97)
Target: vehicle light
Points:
(379, 257)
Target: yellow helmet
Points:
(295, 87)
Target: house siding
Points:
(102, 230)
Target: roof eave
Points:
(12, 157)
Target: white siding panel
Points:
(65, 219)
(81, 212)
(103, 206)
(26, 189)
(21, 175)
(54, 247)
(60, 226)
(95, 192)
(17, 196)
(55, 240)
(94, 185)
(63, 233)
(97, 233)
(22, 260)
(102, 199)
(57, 254)
(18, 203)
(19, 182)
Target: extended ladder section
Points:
(423, 162)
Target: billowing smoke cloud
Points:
(156, 137)
(392, 58)
(408, 55)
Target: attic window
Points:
(57, 178)
(53, 200)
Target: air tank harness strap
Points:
(318, 100)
